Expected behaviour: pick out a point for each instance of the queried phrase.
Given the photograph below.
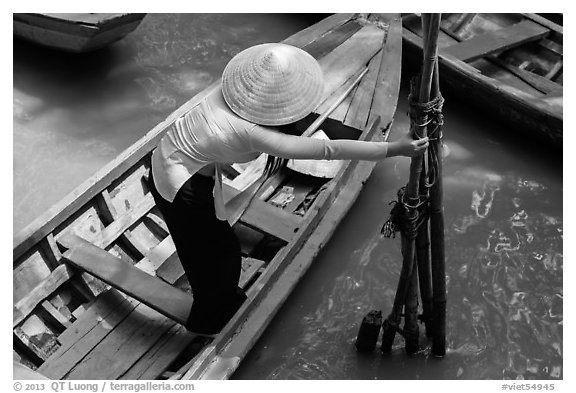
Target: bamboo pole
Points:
(423, 256)
(423, 259)
(412, 193)
(437, 246)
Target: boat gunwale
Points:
(102, 25)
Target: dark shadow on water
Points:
(58, 77)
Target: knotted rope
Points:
(407, 217)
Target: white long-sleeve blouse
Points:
(211, 133)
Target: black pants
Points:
(208, 250)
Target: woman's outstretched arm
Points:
(276, 143)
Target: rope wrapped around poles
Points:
(407, 217)
(410, 217)
(411, 210)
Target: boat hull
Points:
(531, 114)
(72, 33)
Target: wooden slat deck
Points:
(110, 324)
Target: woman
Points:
(263, 89)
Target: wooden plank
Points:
(37, 337)
(159, 256)
(357, 115)
(87, 332)
(151, 291)
(416, 41)
(545, 22)
(159, 226)
(496, 41)
(82, 283)
(116, 229)
(55, 316)
(311, 33)
(302, 186)
(326, 44)
(249, 238)
(43, 22)
(122, 348)
(50, 250)
(133, 244)
(66, 303)
(106, 208)
(387, 87)
(123, 222)
(110, 214)
(30, 349)
(171, 270)
(97, 19)
(129, 188)
(250, 266)
(555, 71)
(538, 82)
(463, 21)
(103, 306)
(28, 275)
(44, 289)
(24, 373)
(271, 220)
(342, 63)
(340, 112)
(552, 46)
(161, 355)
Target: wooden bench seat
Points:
(132, 332)
(150, 290)
(496, 41)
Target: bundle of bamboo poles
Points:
(419, 218)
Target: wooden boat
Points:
(99, 292)
(75, 32)
(510, 64)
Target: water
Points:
(503, 207)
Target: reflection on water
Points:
(509, 278)
(503, 204)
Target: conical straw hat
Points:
(272, 84)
